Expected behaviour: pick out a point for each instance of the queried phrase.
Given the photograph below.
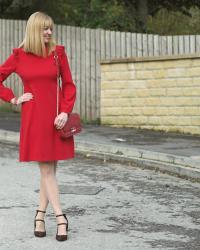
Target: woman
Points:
(34, 62)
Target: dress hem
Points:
(46, 160)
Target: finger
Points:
(27, 95)
(55, 122)
(58, 127)
(29, 98)
(60, 124)
(63, 125)
(26, 99)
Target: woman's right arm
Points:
(6, 94)
(7, 68)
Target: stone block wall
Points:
(161, 93)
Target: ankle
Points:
(62, 219)
(40, 213)
(57, 213)
(41, 210)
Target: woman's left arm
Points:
(68, 90)
(68, 86)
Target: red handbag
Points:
(73, 124)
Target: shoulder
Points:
(16, 52)
(60, 50)
(60, 47)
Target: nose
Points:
(49, 31)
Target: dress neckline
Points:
(29, 53)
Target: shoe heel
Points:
(62, 237)
(39, 233)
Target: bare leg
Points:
(43, 203)
(48, 176)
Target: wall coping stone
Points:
(149, 59)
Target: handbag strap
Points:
(58, 78)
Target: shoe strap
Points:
(41, 211)
(40, 220)
(62, 224)
(61, 215)
(64, 216)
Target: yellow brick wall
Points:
(152, 93)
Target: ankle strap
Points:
(41, 211)
(62, 224)
(61, 215)
(39, 220)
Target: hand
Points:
(60, 120)
(23, 98)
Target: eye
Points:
(46, 28)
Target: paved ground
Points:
(110, 207)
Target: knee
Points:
(46, 169)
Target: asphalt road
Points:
(109, 206)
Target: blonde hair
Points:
(33, 40)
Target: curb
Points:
(9, 136)
(173, 164)
(182, 166)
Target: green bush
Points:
(7, 107)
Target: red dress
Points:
(39, 139)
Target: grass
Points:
(7, 108)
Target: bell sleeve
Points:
(7, 68)
(68, 86)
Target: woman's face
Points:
(47, 33)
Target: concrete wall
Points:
(160, 93)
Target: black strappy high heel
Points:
(39, 233)
(62, 237)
